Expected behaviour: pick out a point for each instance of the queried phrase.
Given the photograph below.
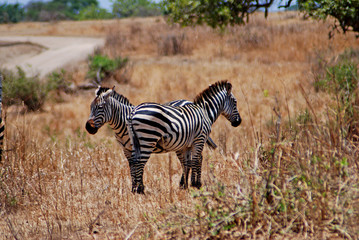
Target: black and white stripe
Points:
(113, 108)
(183, 129)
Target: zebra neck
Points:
(212, 107)
(119, 114)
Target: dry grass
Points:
(265, 180)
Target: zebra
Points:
(113, 108)
(2, 123)
(182, 129)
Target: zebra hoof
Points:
(197, 185)
(140, 190)
(182, 185)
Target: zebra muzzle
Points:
(90, 127)
(236, 122)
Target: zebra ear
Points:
(98, 89)
(229, 88)
(107, 93)
(113, 88)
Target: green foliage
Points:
(93, 12)
(20, 88)
(304, 117)
(212, 12)
(11, 13)
(57, 81)
(33, 11)
(135, 8)
(219, 14)
(56, 9)
(106, 65)
(346, 13)
(341, 82)
(217, 211)
(341, 79)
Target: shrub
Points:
(341, 78)
(57, 81)
(173, 44)
(341, 81)
(105, 66)
(20, 88)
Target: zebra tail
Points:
(210, 143)
(136, 147)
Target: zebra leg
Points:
(139, 166)
(194, 176)
(197, 165)
(136, 169)
(132, 165)
(184, 157)
(182, 161)
(198, 170)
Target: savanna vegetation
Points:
(214, 13)
(289, 171)
(56, 10)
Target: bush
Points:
(57, 81)
(341, 81)
(20, 88)
(173, 44)
(107, 67)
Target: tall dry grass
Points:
(283, 173)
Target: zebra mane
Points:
(102, 90)
(212, 90)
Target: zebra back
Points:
(181, 102)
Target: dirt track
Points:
(42, 55)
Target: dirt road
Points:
(42, 55)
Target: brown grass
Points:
(265, 180)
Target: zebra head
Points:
(230, 110)
(100, 112)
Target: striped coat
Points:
(184, 129)
(113, 108)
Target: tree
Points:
(220, 13)
(135, 8)
(11, 13)
(346, 13)
(215, 13)
(73, 7)
(93, 12)
(56, 9)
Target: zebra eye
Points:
(101, 105)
